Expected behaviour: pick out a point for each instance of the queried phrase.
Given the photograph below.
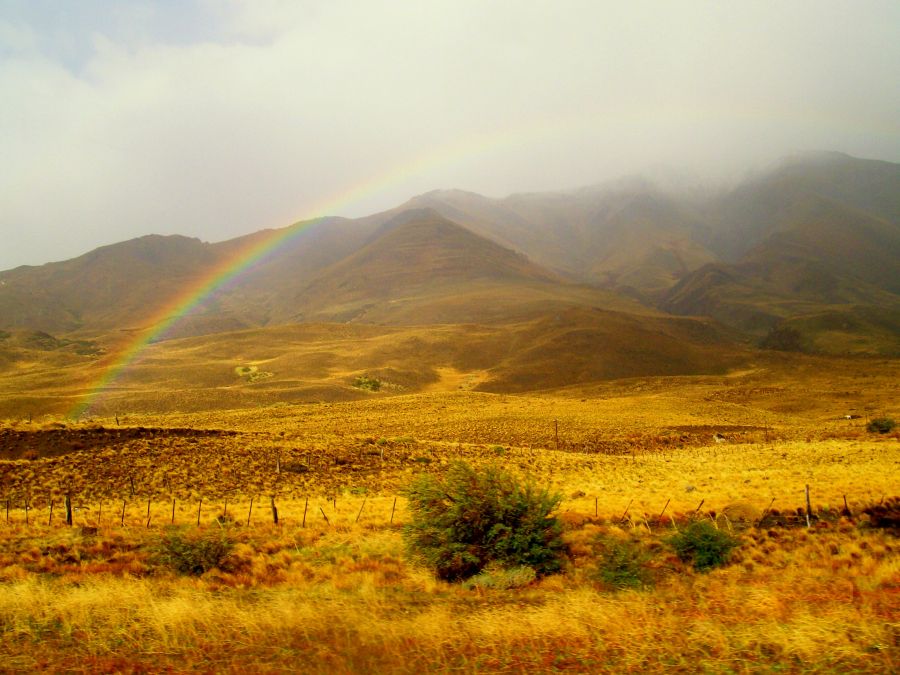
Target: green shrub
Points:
(703, 545)
(621, 565)
(194, 553)
(881, 425)
(474, 517)
(368, 383)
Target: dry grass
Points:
(346, 599)
(344, 595)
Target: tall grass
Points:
(347, 601)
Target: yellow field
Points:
(333, 588)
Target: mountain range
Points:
(810, 248)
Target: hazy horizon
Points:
(215, 120)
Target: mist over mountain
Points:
(813, 243)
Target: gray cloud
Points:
(218, 119)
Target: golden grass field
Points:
(634, 460)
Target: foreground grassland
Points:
(332, 587)
(347, 599)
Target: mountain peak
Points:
(423, 240)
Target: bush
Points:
(474, 517)
(621, 565)
(195, 553)
(367, 383)
(881, 425)
(703, 545)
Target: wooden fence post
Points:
(173, 511)
(361, 509)
(50, 520)
(274, 510)
(766, 512)
(250, 512)
(199, 506)
(808, 507)
(394, 506)
(123, 513)
(148, 512)
(664, 509)
(68, 510)
(305, 506)
(324, 516)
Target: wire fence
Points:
(387, 510)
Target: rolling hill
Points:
(120, 286)
(295, 363)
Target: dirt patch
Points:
(25, 444)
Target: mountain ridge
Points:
(816, 235)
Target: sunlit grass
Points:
(351, 600)
(333, 588)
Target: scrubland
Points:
(333, 587)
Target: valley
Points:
(209, 452)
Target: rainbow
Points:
(229, 271)
(183, 305)
(259, 249)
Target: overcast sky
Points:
(215, 119)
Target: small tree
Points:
(473, 517)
